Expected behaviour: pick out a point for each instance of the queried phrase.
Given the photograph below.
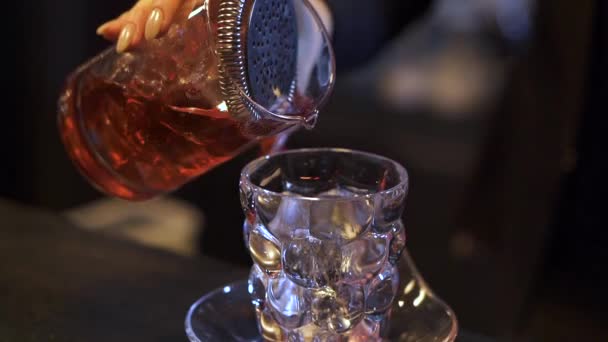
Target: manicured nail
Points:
(102, 28)
(125, 38)
(155, 21)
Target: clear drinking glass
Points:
(145, 122)
(324, 229)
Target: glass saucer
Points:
(226, 314)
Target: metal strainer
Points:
(258, 42)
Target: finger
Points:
(148, 19)
(132, 32)
(128, 28)
(111, 29)
(164, 13)
(151, 18)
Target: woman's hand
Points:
(147, 19)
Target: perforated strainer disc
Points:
(258, 53)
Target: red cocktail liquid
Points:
(135, 148)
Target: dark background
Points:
(501, 123)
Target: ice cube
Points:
(292, 216)
(340, 219)
(338, 310)
(311, 263)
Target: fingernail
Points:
(155, 21)
(102, 28)
(124, 40)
